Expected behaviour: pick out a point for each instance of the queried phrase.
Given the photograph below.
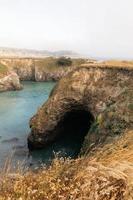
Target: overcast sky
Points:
(101, 28)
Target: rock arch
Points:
(86, 93)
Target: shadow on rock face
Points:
(73, 127)
(70, 132)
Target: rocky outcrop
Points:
(97, 98)
(24, 68)
(46, 75)
(10, 82)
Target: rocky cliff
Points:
(10, 82)
(24, 68)
(99, 99)
(38, 69)
(96, 100)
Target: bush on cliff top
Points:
(63, 61)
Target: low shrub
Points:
(63, 61)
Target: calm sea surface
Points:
(16, 109)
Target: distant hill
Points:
(24, 53)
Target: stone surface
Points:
(105, 93)
(10, 82)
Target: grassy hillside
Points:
(111, 64)
(50, 64)
(3, 70)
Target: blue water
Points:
(16, 109)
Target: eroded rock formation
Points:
(101, 100)
(10, 82)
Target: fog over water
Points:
(96, 28)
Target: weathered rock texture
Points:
(106, 94)
(24, 68)
(10, 82)
(38, 69)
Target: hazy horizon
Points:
(94, 28)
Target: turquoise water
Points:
(16, 109)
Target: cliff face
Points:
(10, 82)
(47, 70)
(38, 69)
(24, 68)
(14, 69)
(100, 95)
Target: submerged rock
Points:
(89, 101)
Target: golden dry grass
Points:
(3, 70)
(120, 150)
(111, 64)
(105, 176)
(75, 179)
(50, 64)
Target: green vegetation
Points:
(3, 70)
(48, 64)
(51, 64)
(78, 62)
(63, 61)
(130, 106)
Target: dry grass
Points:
(50, 64)
(3, 70)
(47, 64)
(120, 150)
(111, 64)
(65, 179)
(106, 176)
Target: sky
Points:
(99, 28)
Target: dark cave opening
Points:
(69, 136)
(72, 129)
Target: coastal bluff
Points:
(14, 70)
(41, 69)
(95, 101)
